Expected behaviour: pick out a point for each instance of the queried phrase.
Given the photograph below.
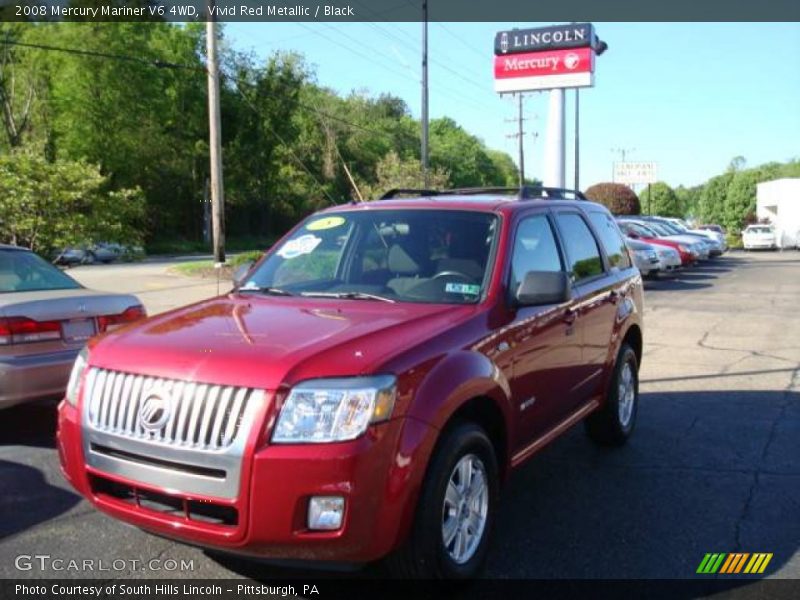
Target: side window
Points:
(582, 251)
(535, 249)
(611, 239)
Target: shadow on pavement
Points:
(704, 472)
(28, 500)
(29, 425)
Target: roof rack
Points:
(395, 192)
(526, 192)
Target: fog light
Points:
(325, 512)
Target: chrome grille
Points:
(201, 416)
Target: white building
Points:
(778, 201)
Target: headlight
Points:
(334, 410)
(76, 376)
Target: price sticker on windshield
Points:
(305, 244)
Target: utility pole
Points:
(520, 135)
(215, 140)
(424, 149)
(577, 139)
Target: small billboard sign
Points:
(632, 173)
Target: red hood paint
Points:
(266, 342)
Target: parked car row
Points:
(661, 245)
(101, 252)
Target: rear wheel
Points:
(455, 513)
(613, 424)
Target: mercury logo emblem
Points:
(504, 42)
(154, 413)
(571, 60)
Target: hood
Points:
(263, 342)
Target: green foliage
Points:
(394, 172)
(740, 199)
(286, 140)
(51, 205)
(618, 198)
(660, 199)
(711, 207)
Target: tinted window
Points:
(22, 271)
(583, 254)
(611, 239)
(535, 249)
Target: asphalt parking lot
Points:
(714, 465)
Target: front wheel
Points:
(613, 424)
(456, 510)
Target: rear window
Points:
(22, 271)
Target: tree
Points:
(50, 205)
(659, 199)
(740, 199)
(618, 198)
(394, 172)
(712, 198)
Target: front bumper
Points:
(378, 475)
(24, 378)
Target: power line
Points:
(161, 64)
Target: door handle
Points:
(613, 296)
(569, 316)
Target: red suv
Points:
(369, 384)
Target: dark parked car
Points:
(369, 385)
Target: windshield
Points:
(759, 229)
(637, 229)
(438, 256)
(658, 228)
(22, 271)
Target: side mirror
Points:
(543, 287)
(241, 272)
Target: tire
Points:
(613, 424)
(464, 448)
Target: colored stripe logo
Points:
(734, 563)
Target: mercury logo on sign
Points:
(571, 61)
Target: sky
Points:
(689, 96)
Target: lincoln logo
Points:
(154, 413)
(571, 60)
(504, 42)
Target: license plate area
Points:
(77, 330)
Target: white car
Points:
(759, 237)
(645, 257)
(669, 259)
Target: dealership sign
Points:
(545, 58)
(632, 173)
(544, 70)
(575, 35)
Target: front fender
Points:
(456, 379)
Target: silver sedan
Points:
(46, 317)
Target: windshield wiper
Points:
(271, 291)
(348, 295)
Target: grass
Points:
(183, 246)
(205, 268)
